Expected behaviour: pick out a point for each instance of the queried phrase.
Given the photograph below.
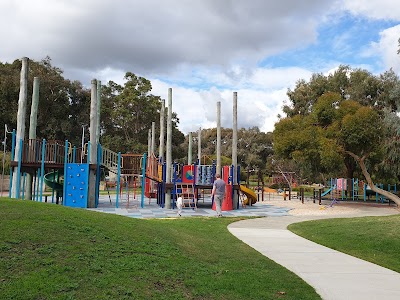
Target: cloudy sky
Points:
(205, 50)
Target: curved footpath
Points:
(333, 274)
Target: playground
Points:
(146, 187)
(73, 173)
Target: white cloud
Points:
(277, 78)
(387, 47)
(155, 36)
(376, 9)
(204, 50)
(260, 100)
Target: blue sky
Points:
(205, 50)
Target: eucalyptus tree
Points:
(62, 105)
(129, 111)
(334, 130)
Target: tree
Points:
(130, 111)
(62, 105)
(9, 93)
(310, 148)
(337, 128)
(398, 51)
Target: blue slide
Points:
(328, 191)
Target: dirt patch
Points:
(330, 208)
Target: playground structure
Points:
(339, 189)
(355, 190)
(74, 173)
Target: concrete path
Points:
(333, 274)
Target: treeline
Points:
(64, 107)
(337, 125)
(127, 112)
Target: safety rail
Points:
(32, 151)
(152, 170)
(131, 164)
(109, 159)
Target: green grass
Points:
(54, 252)
(375, 239)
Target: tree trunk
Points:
(323, 179)
(367, 176)
(350, 167)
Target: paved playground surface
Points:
(273, 205)
(133, 209)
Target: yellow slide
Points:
(249, 193)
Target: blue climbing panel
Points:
(76, 185)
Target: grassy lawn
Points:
(54, 252)
(375, 239)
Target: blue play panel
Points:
(76, 185)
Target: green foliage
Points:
(9, 93)
(130, 111)
(300, 140)
(361, 131)
(333, 115)
(325, 109)
(56, 252)
(64, 107)
(7, 161)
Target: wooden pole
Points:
(20, 133)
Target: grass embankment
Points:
(54, 252)
(375, 239)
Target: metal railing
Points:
(109, 159)
(131, 164)
(32, 151)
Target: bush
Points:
(7, 163)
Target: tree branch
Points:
(361, 162)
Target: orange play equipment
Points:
(250, 194)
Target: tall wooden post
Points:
(169, 149)
(32, 130)
(93, 145)
(98, 111)
(153, 137)
(219, 137)
(20, 133)
(235, 198)
(190, 148)
(199, 145)
(162, 132)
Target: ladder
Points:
(186, 191)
